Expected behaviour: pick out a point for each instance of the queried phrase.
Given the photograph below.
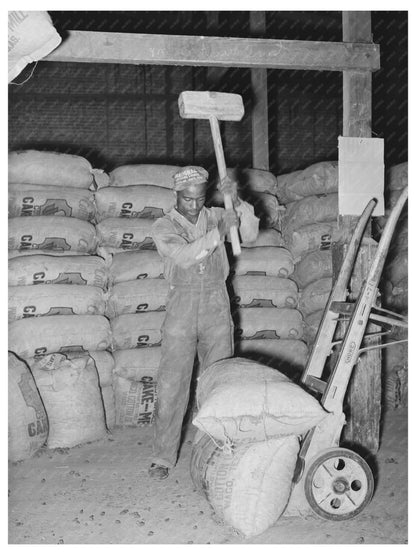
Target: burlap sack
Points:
(240, 400)
(251, 291)
(42, 269)
(27, 420)
(52, 233)
(249, 487)
(50, 200)
(53, 168)
(72, 398)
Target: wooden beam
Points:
(129, 48)
(364, 393)
(259, 115)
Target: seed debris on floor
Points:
(46, 506)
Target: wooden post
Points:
(214, 74)
(259, 117)
(364, 394)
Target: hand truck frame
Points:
(333, 482)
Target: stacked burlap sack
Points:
(394, 288)
(126, 211)
(57, 294)
(57, 402)
(27, 420)
(310, 228)
(250, 421)
(258, 187)
(264, 300)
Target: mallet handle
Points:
(222, 172)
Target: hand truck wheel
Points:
(339, 484)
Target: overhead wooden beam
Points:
(259, 115)
(129, 48)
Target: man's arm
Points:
(170, 244)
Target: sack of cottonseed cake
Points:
(251, 291)
(71, 394)
(137, 364)
(126, 233)
(40, 269)
(50, 200)
(135, 401)
(318, 179)
(27, 420)
(160, 175)
(133, 201)
(51, 233)
(249, 486)
(240, 400)
(315, 296)
(34, 337)
(264, 261)
(53, 299)
(130, 265)
(54, 168)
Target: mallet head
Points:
(206, 104)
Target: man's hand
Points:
(228, 220)
(227, 186)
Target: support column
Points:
(260, 118)
(364, 394)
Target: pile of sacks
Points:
(92, 289)
(56, 285)
(136, 196)
(264, 300)
(394, 289)
(57, 402)
(310, 228)
(250, 420)
(126, 210)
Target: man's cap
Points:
(189, 175)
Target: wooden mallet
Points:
(215, 106)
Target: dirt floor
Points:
(100, 494)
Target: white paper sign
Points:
(360, 175)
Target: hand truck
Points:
(336, 483)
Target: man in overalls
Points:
(190, 239)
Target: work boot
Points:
(158, 472)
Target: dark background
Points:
(116, 114)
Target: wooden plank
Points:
(130, 48)
(259, 115)
(364, 394)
